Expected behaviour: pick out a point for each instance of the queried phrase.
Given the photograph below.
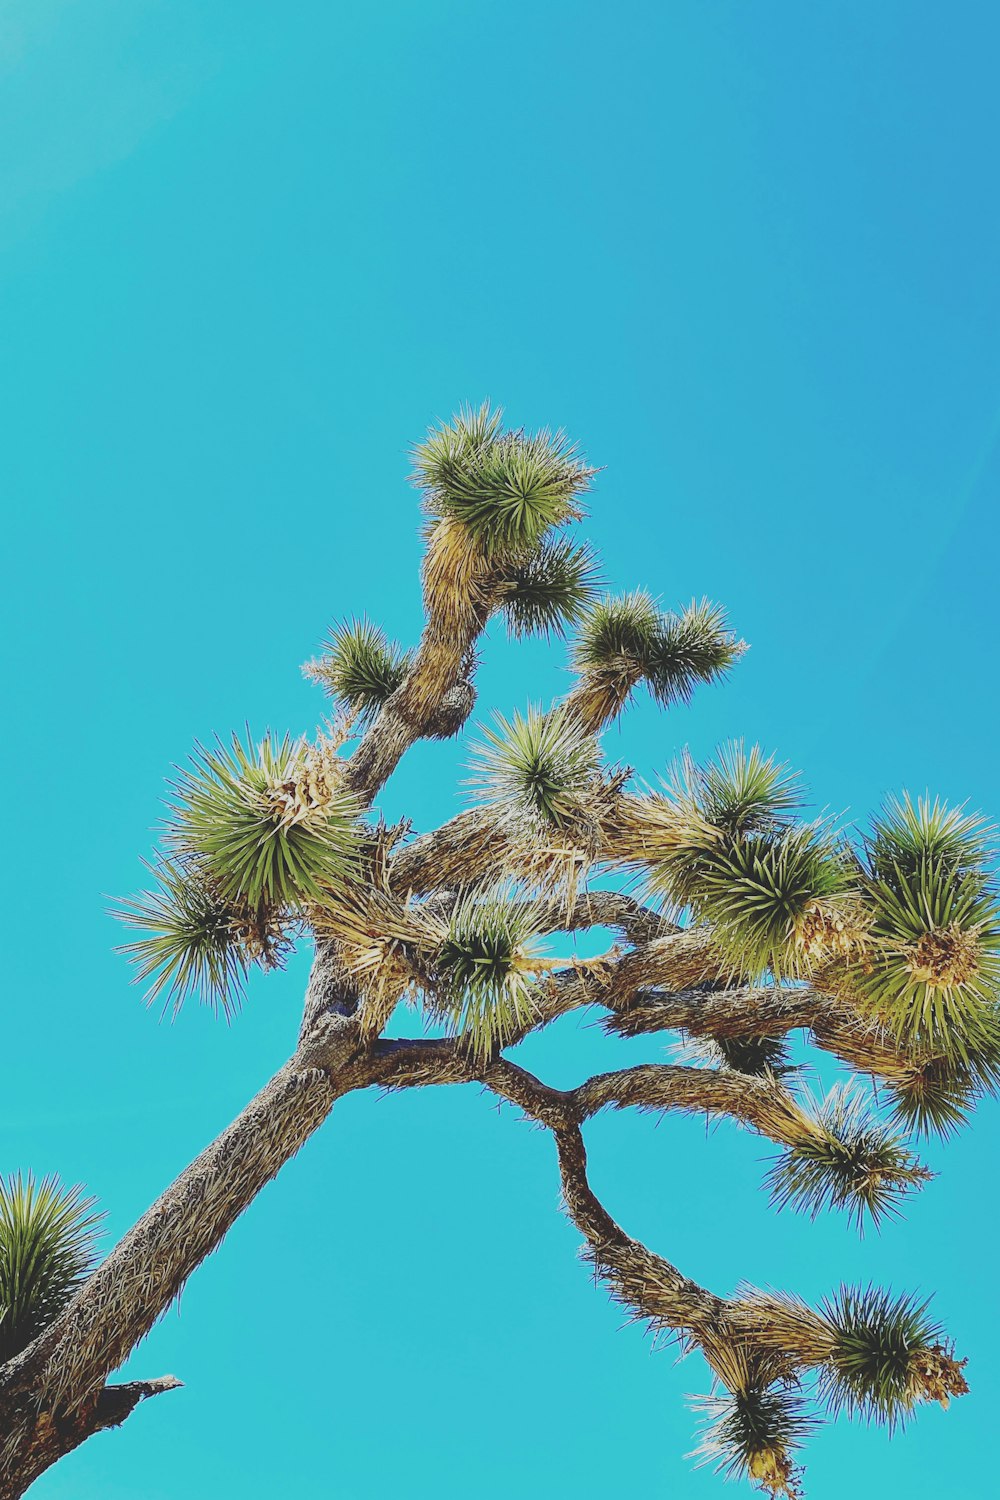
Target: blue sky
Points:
(747, 256)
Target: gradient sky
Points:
(747, 255)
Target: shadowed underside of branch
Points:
(730, 921)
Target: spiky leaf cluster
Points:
(264, 825)
(756, 1056)
(850, 1160)
(507, 489)
(932, 973)
(624, 640)
(936, 1097)
(887, 1355)
(483, 968)
(195, 944)
(775, 893)
(47, 1240)
(757, 893)
(360, 667)
(541, 765)
(550, 589)
(620, 632)
(754, 1433)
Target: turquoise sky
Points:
(746, 254)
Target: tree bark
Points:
(52, 1395)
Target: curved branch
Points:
(647, 1284)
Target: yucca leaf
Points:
(618, 632)
(193, 944)
(360, 667)
(47, 1241)
(851, 1160)
(745, 791)
(541, 764)
(482, 970)
(888, 1355)
(932, 971)
(508, 489)
(773, 899)
(551, 589)
(269, 826)
(694, 647)
(753, 1434)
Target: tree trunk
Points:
(53, 1395)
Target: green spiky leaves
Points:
(256, 835)
(937, 1095)
(693, 647)
(624, 640)
(267, 826)
(619, 632)
(550, 589)
(778, 896)
(195, 943)
(47, 1240)
(360, 667)
(887, 1354)
(758, 892)
(933, 970)
(483, 970)
(743, 791)
(506, 489)
(539, 765)
(849, 1160)
(754, 1433)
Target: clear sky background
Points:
(746, 254)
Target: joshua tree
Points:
(735, 923)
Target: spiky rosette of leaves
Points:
(539, 764)
(47, 1241)
(745, 791)
(695, 646)
(887, 1355)
(550, 589)
(757, 1056)
(932, 971)
(268, 826)
(618, 633)
(937, 1095)
(507, 489)
(615, 640)
(624, 640)
(850, 1160)
(483, 969)
(740, 794)
(194, 944)
(772, 897)
(753, 1434)
(360, 667)
(934, 1100)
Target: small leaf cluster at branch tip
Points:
(540, 765)
(268, 825)
(47, 1241)
(483, 969)
(549, 590)
(625, 640)
(360, 668)
(846, 1158)
(506, 489)
(931, 971)
(754, 1429)
(887, 1355)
